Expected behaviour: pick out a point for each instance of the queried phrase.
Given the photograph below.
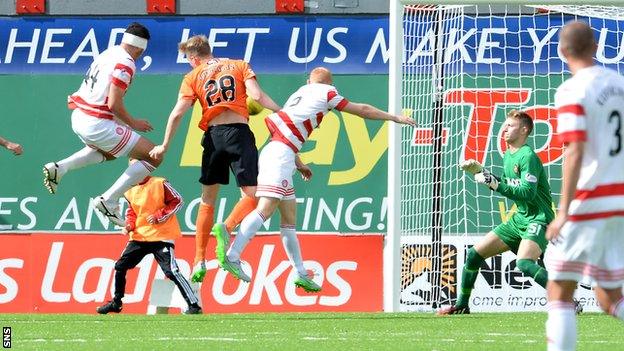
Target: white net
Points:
(463, 70)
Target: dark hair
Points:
(524, 119)
(139, 30)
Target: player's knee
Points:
(524, 265)
(154, 162)
(107, 156)
(169, 274)
(605, 303)
(473, 259)
(119, 267)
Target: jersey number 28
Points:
(220, 90)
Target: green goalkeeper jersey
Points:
(524, 181)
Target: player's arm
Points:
(306, 172)
(255, 92)
(572, 161)
(173, 122)
(173, 203)
(370, 112)
(13, 147)
(527, 190)
(130, 219)
(118, 108)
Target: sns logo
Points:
(484, 105)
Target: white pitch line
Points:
(166, 338)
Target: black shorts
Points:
(229, 146)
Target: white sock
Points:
(247, 229)
(617, 310)
(561, 326)
(85, 157)
(291, 245)
(135, 173)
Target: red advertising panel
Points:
(73, 273)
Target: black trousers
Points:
(163, 252)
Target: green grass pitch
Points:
(301, 331)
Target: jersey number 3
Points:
(220, 90)
(615, 116)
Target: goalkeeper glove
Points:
(486, 178)
(471, 166)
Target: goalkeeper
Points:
(524, 181)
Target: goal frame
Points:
(392, 239)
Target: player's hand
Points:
(554, 228)
(471, 166)
(306, 172)
(157, 152)
(486, 178)
(405, 120)
(125, 231)
(141, 125)
(15, 148)
(151, 219)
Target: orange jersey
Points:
(219, 84)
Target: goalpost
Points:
(458, 70)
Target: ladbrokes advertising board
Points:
(50, 273)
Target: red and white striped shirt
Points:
(302, 113)
(590, 108)
(113, 66)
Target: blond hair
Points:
(196, 45)
(524, 119)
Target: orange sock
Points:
(243, 207)
(205, 219)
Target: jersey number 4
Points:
(91, 76)
(616, 118)
(220, 90)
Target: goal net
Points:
(458, 70)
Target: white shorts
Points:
(593, 249)
(104, 134)
(276, 166)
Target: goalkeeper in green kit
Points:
(525, 182)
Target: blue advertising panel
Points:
(354, 45)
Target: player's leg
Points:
(137, 147)
(561, 322)
(54, 171)
(165, 256)
(203, 226)
(608, 268)
(247, 230)
(268, 170)
(214, 171)
(85, 127)
(244, 164)
(132, 254)
(567, 260)
(243, 207)
(611, 301)
(528, 254)
(288, 214)
(531, 246)
(489, 246)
